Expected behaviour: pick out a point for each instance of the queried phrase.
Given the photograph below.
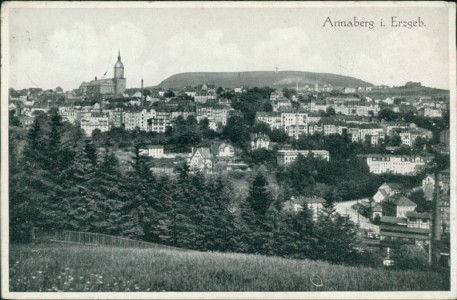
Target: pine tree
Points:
(334, 237)
(259, 198)
(30, 184)
(137, 209)
(54, 145)
(108, 193)
(79, 197)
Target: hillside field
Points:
(69, 267)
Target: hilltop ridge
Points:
(261, 78)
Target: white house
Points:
(286, 157)
(155, 151)
(403, 206)
(314, 204)
(428, 187)
(222, 149)
(200, 159)
(387, 190)
(260, 141)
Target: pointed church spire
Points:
(119, 55)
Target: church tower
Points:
(119, 67)
(119, 79)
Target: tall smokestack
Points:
(142, 93)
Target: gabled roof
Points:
(423, 215)
(392, 220)
(394, 185)
(204, 152)
(376, 208)
(100, 81)
(383, 193)
(259, 136)
(403, 201)
(216, 145)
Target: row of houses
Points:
(345, 106)
(301, 122)
(223, 153)
(156, 120)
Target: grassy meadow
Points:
(50, 267)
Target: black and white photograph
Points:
(228, 150)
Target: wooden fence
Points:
(92, 238)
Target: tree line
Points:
(59, 180)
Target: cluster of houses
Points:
(438, 185)
(396, 214)
(298, 122)
(153, 119)
(219, 156)
(138, 111)
(355, 106)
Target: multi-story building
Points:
(260, 141)
(273, 119)
(432, 112)
(116, 117)
(69, 114)
(314, 204)
(396, 164)
(428, 187)
(184, 113)
(414, 230)
(90, 124)
(134, 119)
(286, 157)
(217, 115)
(155, 151)
(443, 201)
(281, 103)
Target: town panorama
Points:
(304, 167)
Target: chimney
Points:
(142, 92)
(95, 77)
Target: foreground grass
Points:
(75, 268)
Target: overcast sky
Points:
(52, 47)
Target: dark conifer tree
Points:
(334, 237)
(259, 198)
(136, 211)
(108, 194)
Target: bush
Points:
(410, 257)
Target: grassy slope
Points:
(63, 267)
(260, 79)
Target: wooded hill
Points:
(261, 78)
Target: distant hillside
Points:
(261, 78)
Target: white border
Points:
(452, 294)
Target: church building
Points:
(106, 87)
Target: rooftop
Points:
(392, 220)
(423, 215)
(403, 201)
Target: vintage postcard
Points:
(228, 150)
